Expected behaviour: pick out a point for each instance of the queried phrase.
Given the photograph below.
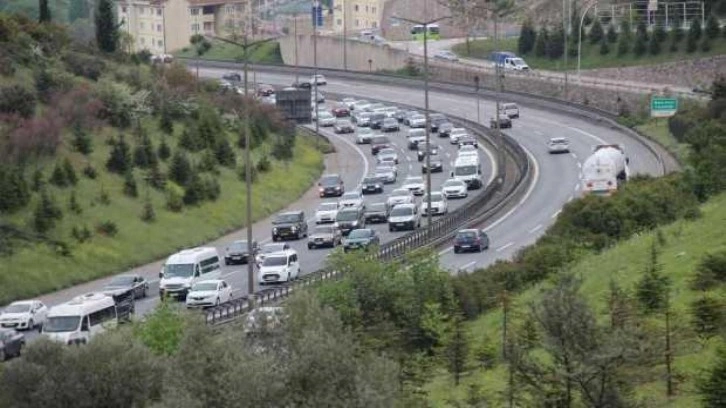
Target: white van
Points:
(185, 268)
(79, 320)
(468, 169)
(510, 109)
(279, 267)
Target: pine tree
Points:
(70, 172)
(224, 153)
(37, 183)
(676, 36)
(180, 170)
(713, 386)
(456, 349)
(691, 43)
(130, 188)
(81, 140)
(78, 9)
(144, 154)
(156, 178)
(166, 124)
(148, 214)
(712, 28)
(540, 45)
(596, 32)
(659, 33)
(73, 204)
(527, 37)
(695, 30)
(14, 191)
(653, 286)
(119, 160)
(624, 38)
(195, 190)
(612, 35)
(706, 44)
(46, 213)
(44, 11)
(107, 35)
(190, 139)
(556, 43)
(604, 47)
(653, 46)
(641, 39)
(58, 177)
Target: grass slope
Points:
(686, 242)
(268, 53)
(657, 130)
(591, 57)
(37, 269)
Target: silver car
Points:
(387, 156)
(558, 145)
(364, 135)
(324, 236)
(387, 174)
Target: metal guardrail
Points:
(477, 210)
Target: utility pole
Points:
(345, 35)
(316, 6)
(297, 74)
(565, 17)
(476, 89)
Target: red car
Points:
(340, 112)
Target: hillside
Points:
(110, 162)
(682, 247)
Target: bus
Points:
(417, 32)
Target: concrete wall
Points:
(330, 54)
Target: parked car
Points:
(361, 238)
(324, 236)
(134, 283)
(504, 122)
(376, 213)
(445, 55)
(399, 115)
(471, 240)
(362, 119)
(351, 199)
(24, 315)
(372, 185)
(343, 126)
(404, 216)
(390, 125)
(290, 224)
(439, 205)
(558, 145)
(209, 293)
(11, 344)
(331, 185)
(326, 213)
(364, 135)
(240, 251)
(437, 166)
(302, 85)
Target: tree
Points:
(166, 124)
(58, 176)
(46, 213)
(713, 387)
(78, 9)
(194, 193)
(144, 153)
(527, 37)
(70, 172)
(596, 32)
(540, 45)
(119, 160)
(676, 36)
(604, 47)
(707, 316)
(81, 140)
(130, 188)
(612, 35)
(73, 204)
(201, 46)
(653, 286)
(659, 33)
(44, 11)
(180, 170)
(641, 39)
(164, 151)
(456, 349)
(14, 191)
(653, 45)
(107, 35)
(624, 38)
(556, 43)
(712, 30)
(224, 153)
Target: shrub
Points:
(604, 47)
(705, 45)
(81, 234)
(73, 204)
(707, 316)
(527, 37)
(713, 384)
(130, 188)
(14, 191)
(659, 33)
(596, 32)
(212, 189)
(70, 172)
(81, 140)
(174, 197)
(195, 191)
(85, 65)
(103, 197)
(107, 228)
(208, 163)
(242, 173)
(46, 213)
(540, 44)
(90, 172)
(694, 34)
(264, 164)
(156, 178)
(224, 153)
(164, 151)
(654, 46)
(144, 153)
(58, 176)
(190, 139)
(118, 102)
(180, 169)
(49, 81)
(652, 289)
(148, 214)
(612, 35)
(711, 271)
(17, 99)
(641, 39)
(283, 146)
(712, 30)
(37, 182)
(166, 124)
(119, 160)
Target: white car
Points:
(364, 135)
(279, 267)
(326, 213)
(319, 79)
(558, 145)
(510, 109)
(387, 174)
(453, 188)
(400, 196)
(351, 199)
(24, 315)
(404, 216)
(456, 133)
(387, 156)
(439, 205)
(467, 150)
(349, 102)
(446, 56)
(209, 293)
(415, 185)
(317, 97)
(360, 105)
(326, 119)
(418, 121)
(271, 248)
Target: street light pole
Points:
(476, 88)
(297, 74)
(345, 35)
(565, 17)
(315, 68)
(579, 41)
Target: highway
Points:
(556, 178)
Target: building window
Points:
(158, 12)
(238, 7)
(366, 9)
(158, 27)
(141, 11)
(339, 22)
(208, 26)
(373, 10)
(123, 9)
(195, 27)
(194, 11)
(142, 40)
(374, 24)
(141, 25)
(160, 44)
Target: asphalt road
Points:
(557, 179)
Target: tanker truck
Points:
(605, 170)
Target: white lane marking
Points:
(535, 229)
(492, 160)
(574, 156)
(588, 134)
(579, 166)
(556, 214)
(570, 198)
(577, 186)
(230, 273)
(503, 247)
(410, 166)
(472, 263)
(408, 158)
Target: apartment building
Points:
(356, 15)
(164, 26)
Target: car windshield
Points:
(121, 281)
(204, 286)
(57, 324)
(377, 207)
(400, 211)
(284, 218)
(380, 139)
(558, 141)
(364, 115)
(365, 131)
(275, 261)
(390, 121)
(466, 235)
(416, 133)
(387, 152)
(414, 180)
(465, 170)
(350, 196)
(178, 270)
(17, 308)
(371, 180)
(270, 248)
(454, 183)
(400, 193)
(458, 131)
(238, 246)
(384, 172)
(437, 197)
(328, 207)
(323, 230)
(418, 117)
(326, 115)
(343, 123)
(347, 216)
(360, 233)
(330, 181)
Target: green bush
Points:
(164, 151)
(84, 65)
(596, 32)
(90, 171)
(264, 164)
(707, 316)
(107, 228)
(130, 188)
(119, 160)
(148, 214)
(82, 234)
(14, 191)
(540, 44)
(174, 197)
(180, 169)
(17, 99)
(604, 47)
(527, 37)
(58, 176)
(712, 30)
(612, 35)
(46, 213)
(242, 172)
(73, 204)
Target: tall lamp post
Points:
(579, 41)
(317, 22)
(342, 7)
(246, 45)
(426, 24)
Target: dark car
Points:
(232, 76)
(379, 143)
(471, 240)
(350, 218)
(377, 119)
(436, 120)
(362, 238)
(302, 84)
(11, 344)
(390, 125)
(131, 282)
(290, 224)
(504, 122)
(436, 166)
(376, 213)
(340, 112)
(399, 115)
(445, 128)
(331, 185)
(240, 252)
(372, 185)
(426, 149)
(468, 140)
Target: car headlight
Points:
(187, 285)
(293, 229)
(354, 223)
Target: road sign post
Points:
(663, 107)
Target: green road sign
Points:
(663, 107)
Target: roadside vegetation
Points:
(110, 162)
(604, 45)
(266, 53)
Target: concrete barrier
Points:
(330, 54)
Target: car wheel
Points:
(274, 238)
(310, 246)
(391, 229)
(478, 248)
(227, 261)
(456, 250)
(31, 325)
(2, 355)
(216, 302)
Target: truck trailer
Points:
(605, 170)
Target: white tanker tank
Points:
(605, 170)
